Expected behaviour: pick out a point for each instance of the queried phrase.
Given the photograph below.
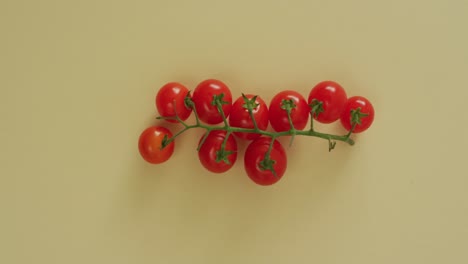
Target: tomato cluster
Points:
(265, 159)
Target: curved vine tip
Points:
(331, 145)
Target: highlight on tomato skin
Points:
(366, 108)
(255, 153)
(150, 142)
(171, 98)
(240, 116)
(333, 99)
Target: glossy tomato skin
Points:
(278, 116)
(366, 107)
(149, 145)
(203, 97)
(255, 153)
(207, 153)
(170, 94)
(240, 117)
(333, 98)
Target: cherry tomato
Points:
(366, 108)
(299, 115)
(172, 95)
(333, 98)
(240, 116)
(150, 142)
(208, 152)
(203, 98)
(255, 153)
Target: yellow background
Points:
(77, 86)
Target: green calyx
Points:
(288, 105)
(165, 141)
(218, 100)
(316, 107)
(222, 155)
(267, 164)
(188, 101)
(356, 116)
(250, 104)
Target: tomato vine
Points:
(327, 103)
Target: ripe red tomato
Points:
(366, 108)
(149, 145)
(208, 152)
(170, 94)
(240, 116)
(203, 98)
(333, 98)
(299, 115)
(255, 153)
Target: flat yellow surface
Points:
(77, 86)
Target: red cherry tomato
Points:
(255, 153)
(208, 152)
(149, 145)
(240, 116)
(333, 98)
(172, 95)
(203, 98)
(299, 115)
(366, 108)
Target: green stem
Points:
(197, 119)
(220, 110)
(267, 163)
(230, 129)
(179, 133)
(292, 129)
(351, 131)
(267, 154)
(203, 139)
(253, 118)
(311, 122)
(223, 145)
